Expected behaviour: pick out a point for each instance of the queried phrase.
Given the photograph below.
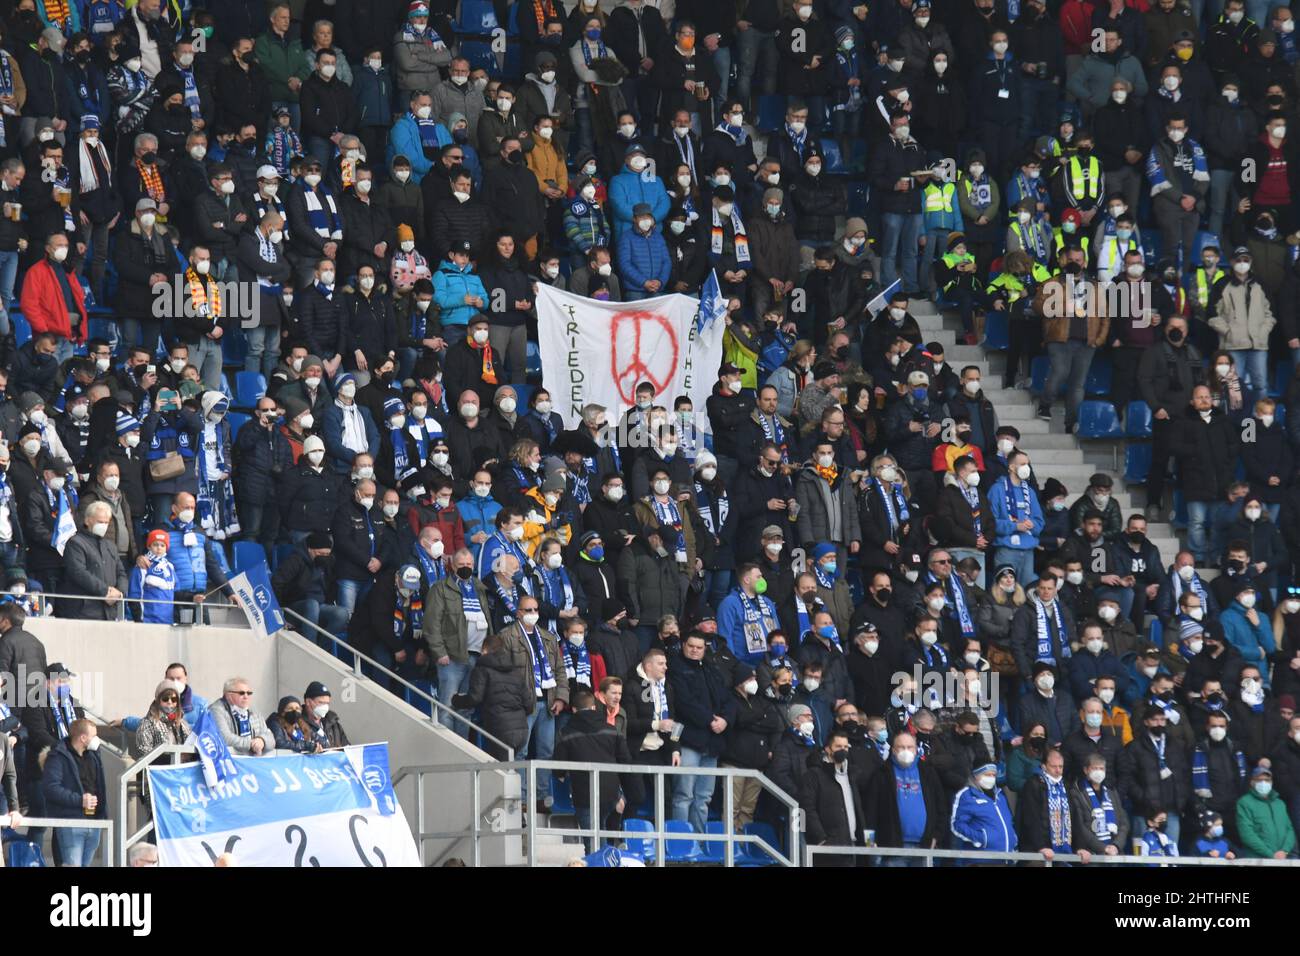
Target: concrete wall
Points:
(118, 665)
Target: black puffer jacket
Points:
(372, 327)
(262, 457)
(365, 225)
(449, 220)
(503, 698)
(817, 201)
(328, 107)
(651, 586)
(308, 499)
(752, 736)
(136, 258)
(322, 322)
(700, 694)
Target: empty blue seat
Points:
(1099, 377)
(1203, 238)
(561, 796)
(1156, 632)
(524, 393)
(225, 389)
(476, 17)
(248, 554)
(834, 158)
(281, 552)
(641, 846)
(1281, 414)
(771, 112)
(237, 421)
(1282, 373)
(22, 328)
(713, 851)
(859, 194)
(1097, 419)
(752, 855)
(1038, 371)
(1137, 420)
(234, 348)
(1137, 461)
(480, 55)
(680, 851)
(249, 388)
(997, 334)
(533, 358)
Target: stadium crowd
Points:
(855, 580)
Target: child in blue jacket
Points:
(156, 583)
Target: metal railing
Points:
(438, 706)
(73, 823)
(729, 837)
(129, 776)
(811, 852)
(119, 605)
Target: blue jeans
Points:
(1021, 559)
(717, 585)
(63, 350)
(541, 737)
(755, 54)
(635, 295)
(722, 63)
(77, 845)
(8, 272)
(1070, 361)
(691, 794)
(352, 593)
(1252, 367)
(902, 233)
(1198, 521)
(453, 679)
(1222, 186)
(318, 147)
(145, 333)
(263, 349)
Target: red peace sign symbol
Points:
(643, 348)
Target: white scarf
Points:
(90, 178)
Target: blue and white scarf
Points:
(509, 597)
(774, 432)
(667, 513)
(434, 571)
(402, 466)
(430, 135)
(759, 622)
(266, 249)
(1201, 767)
(825, 579)
(713, 509)
(601, 53)
(577, 662)
(215, 501)
(558, 589)
(973, 499)
(1044, 635)
(895, 504)
(737, 133)
(1196, 585)
(798, 140)
(1058, 815)
(1012, 511)
(804, 615)
(543, 676)
(957, 598)
(1104, 826)
(191, 93)
(552, 430)
(428, 35)
(527, 479)
(326, 224)
(936, 658)
(64, 714)
(510, 547)
(469, 601)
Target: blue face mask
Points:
(1216, 831)
(882, 735)
(920, 394)
(596, 553)
(1093, 720)
(827, 631)
(778, 650)
(829, 567)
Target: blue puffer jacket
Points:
(627, 189)
(167, 432)
(983, 822)
(477, 514)
(1253, 642)
(641, 258)
(191, 561)
(374, 94)
(404, 140)
(450, 286)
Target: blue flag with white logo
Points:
(214, 755)
(713, 304)
(882, 300)
(252, 589)
(65, 526)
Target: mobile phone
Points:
(151, 369)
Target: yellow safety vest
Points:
(1059, 244)
(938, 197)
(1084, 185)
(1203, 287)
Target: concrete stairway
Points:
(1053, 453)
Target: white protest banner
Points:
(598, 352)
(336, 808)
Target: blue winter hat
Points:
(1189, 628)
(822, 550)
(343, 379)
(89, 121)
(127, 423)
(393, 407)
(983, 768)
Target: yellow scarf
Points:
(830, 474)
(206, 299)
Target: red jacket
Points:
(43, 305)
(447, 521)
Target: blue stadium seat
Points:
(834, 158)
(1282, 374)
(1137, 461)
(859, 194)
(1156, 632)
(562, 796)
(22, 328)
(1098, 420)
(1137, 420)
(281, 552)
(524, 393)
(476, 17)
(534, 358)
(771, 112)
(1281, 414)
(1152, 245)
(225, 389)
(751, 855)
(641, 846)
(480, 55)
(234, 348)
(249, 387)
(713, 851)
(680, 851)
(248, 554)
(996, 331)
(1038, 372)
(237, 421)
(1204, 238)
(1099, 377)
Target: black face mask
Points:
(515, 156)
(1136, 537)
(323, 561)
(464, 573)
(840, 756)
(1156, 732)
(149, 158)
(1036, 744)
(1175, 336)
(1073, 268)
(884, 594)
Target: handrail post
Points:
(531, 795)
(593, 808)
(659, 819)
(476, 787)
(729, 812)
(792, 848)
(419, 814)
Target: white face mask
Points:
(889, 474)
(1005, 446)
(480, 336)
(1094, 646)
(708, 473)
(111, 483)
(1000, 47)
(529, 619)
(1046, 681)
(328, 70)
(312, 179)
(1108, 614)
(277, 237)
(662, 487)
(311, 381)
(348, 391)
(930, 638)
(905, 758)
(1023, 472)
(402, 175)
(327, 278)
(637, 163)
(1252, 514)
(147, 220)
(936, 605)
(1075, 577)
(1106, 695)
(973, 479)
(185, 516)
(390, 511)
(751, 687)
(306, 421)
(615, 493)
(870, 647)
(507, 405)
(1247, 600)
(315, 457)
(363, 186)
(198, 152)
(1097, 776)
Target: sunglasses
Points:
(242, 693)
(169, 699)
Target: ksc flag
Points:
(882, 300)
(65, 526)
(598, 352)
(214, 755)
(253, 589)
(336, 808)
